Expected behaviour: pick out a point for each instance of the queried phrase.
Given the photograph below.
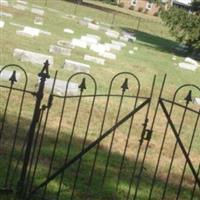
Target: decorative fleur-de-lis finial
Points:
(13, 78)
(188, 98)
(125, 85)
(82, 86)
(45, 70)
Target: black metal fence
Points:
(119, 145)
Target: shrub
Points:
(131, 8)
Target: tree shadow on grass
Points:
(94, 191)
(154, 41)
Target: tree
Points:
(184, 26)
(196, 6)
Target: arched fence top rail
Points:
(130, 115)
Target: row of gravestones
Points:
(37, 58)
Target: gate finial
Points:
(125, 85)
(188, 98)
(45, 70)
(13, 77)
(82, 86)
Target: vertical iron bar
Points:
(83, 145)
(98, 145)
(89, 147)
(126, 145)
(112, 139)
(195, 185)
(138, 152)
(174, 151)
(70, 140)
(176, 134)
(5, 111)
(189, 151)
(151, 129)
(39, 96)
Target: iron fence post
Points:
(44, 74)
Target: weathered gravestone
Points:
(76, 66)
(67, 30)
(112, 34)
(197, 100)
(32, 57)
(187, 66)
(22, 2)
(60, 50)
(20, 7)
(89, 40)
(65, 44)
(122, 44)
(93, 26)
(4, 3)
(98, 48)
(60, 87)
(37, 11)
(29, 32)
(5, 14)
(113, 46)
(2, 23)
(94, 36)
(108, 55)
(79, 43)
(38, 21)
(93, 59)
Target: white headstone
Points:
(99, 48)
(79, 43)
(124, 39)
(60, 87)
(38, 21)
(187, 66)
(22, 2)
(29, 32)
(191, 61)
(197, 100)
(113, 46)
(108, 55)
(6, 74)
(87, 19)
(4, 3)
(17, 25)
(174, 58)
(4, 14)
(2, 23)
(32, 57)
(36, 6)
(131, 52)
(89, 40)
(65, 44)
(53, 10)
(20, 7)
(37, 11)
(135, 48)
(76, 66)
(122, 44)
(66, 30)
(93, 59)
(94, 36)
(60, 50)
(93, 26)
(112, 34)
(83, 22)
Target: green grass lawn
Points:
(154, 57)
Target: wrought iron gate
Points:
(119, 145)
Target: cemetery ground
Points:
(151, 54)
